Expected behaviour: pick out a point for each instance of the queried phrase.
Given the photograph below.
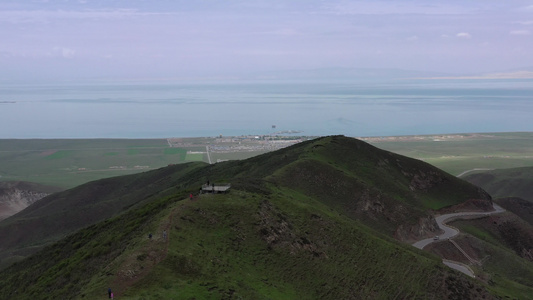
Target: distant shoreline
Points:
(437, 137)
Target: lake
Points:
(176, 109)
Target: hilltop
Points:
(320, 219)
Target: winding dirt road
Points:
(450, 232)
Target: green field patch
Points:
(133, 151)
(194, 157)
(176, 151)
(60, 154)
(111, 153)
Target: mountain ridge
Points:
(299, 221)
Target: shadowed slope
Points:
(57, 215)
(514, 182)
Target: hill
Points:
(314, 220)
(60, 214)
(513, 182)
(501, 247)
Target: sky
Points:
(153, 39)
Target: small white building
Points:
(216, 188)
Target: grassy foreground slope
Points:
(60, 214)
(241, 245)
(297, 223)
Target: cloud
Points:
(64, 52)
(464, 35)
(524, 22)
(400, 7)
(282, 32)
(44, 16)
(412, 38)
(519, 32)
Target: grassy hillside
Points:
(389, 192)
(310, 221)
(518, 206)
(240, 245)
(505, 273)
(503, 244)
(514, 182)
(60, 214)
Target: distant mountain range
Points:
(330, 218)
(326, 74)
(344, 74)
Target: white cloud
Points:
(378, 8)
(64, 52)
(412, 38)
(524, 22)
(519, 32)
(44, 16)
(464, 35)
(444, 36)
(282, 32)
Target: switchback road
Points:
(450, 232)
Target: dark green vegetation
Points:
(311, 221)
(60, 214)
(514, 182)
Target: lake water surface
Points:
(154, 110)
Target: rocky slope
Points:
(16, 196)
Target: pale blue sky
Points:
(137, 39)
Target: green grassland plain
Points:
(70, 162)
(460, 153)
